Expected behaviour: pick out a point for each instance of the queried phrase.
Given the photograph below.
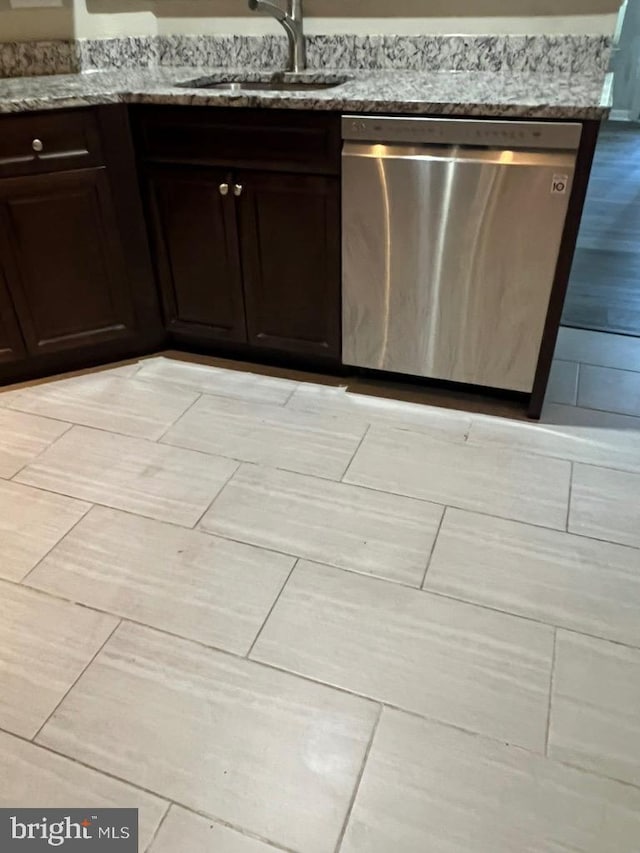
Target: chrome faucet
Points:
(292, 21)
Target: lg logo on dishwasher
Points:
(559, 184)
(34, 830)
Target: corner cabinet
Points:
(76, 283)
(244, 207)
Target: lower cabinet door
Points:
(290, 243)
(61, 252)
(195, 235)
(11, 342)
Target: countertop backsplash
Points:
(562, 54)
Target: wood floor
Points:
(604, 290)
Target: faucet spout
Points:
(293, 22)
(268, 8)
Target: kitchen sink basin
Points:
(275, 84)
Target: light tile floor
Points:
(276, 615)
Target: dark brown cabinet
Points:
(63, 260)
(76, 281)
(289, 239)
(198, 255)
(245, 221)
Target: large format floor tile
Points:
(108, 402)
(23, 437)
(566, 432)
(186, 832)
(270, 435)
(422, 418)
(488, 479)
(556, 577)
(263, 750)
(472, 667)
(181, 581)
(610, 390)
(207, 379)
(606, 504)
(31, 776)
(31, 522)
(130, 474)
(333, 523)
(44, 646)
(430, 788)
(595, 707)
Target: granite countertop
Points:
(524, 94)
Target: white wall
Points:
(96, 18)
(626, 61)
(35, 23)
(590, 24)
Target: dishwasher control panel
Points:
(486, 133)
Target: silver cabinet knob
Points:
(237, 190)
(224, 189)
(37, 145)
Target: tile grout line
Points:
(309, 679)
(430, 501)
(532, 456)
(429, 718)
(355, 452)
(358, 783)
(76, 680)
(586, 772)
(315, 562)
(12, 478)
(285, 405)
(582, 361)
(97, 428)
(158, 827)
(58, 542)
(243, 461)
(569, 496)
(551, 682)
(319, 561)
(162, 797)
(209, 506)
(383, 705)
(240, 830)
(469, 430)
(180, 416)
(130, 512)
(271, 609)
(433, 548)
(151, 442)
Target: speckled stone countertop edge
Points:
(481, 93)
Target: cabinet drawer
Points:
(48, 142)
(280, 140)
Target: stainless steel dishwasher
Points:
(451, 235)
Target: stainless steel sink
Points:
(280, 84)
